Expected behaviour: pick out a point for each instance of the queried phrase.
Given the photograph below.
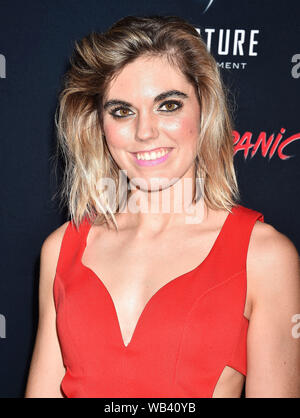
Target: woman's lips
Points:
(151, 162)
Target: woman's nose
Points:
(146, 127)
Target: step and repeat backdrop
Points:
(257, 46)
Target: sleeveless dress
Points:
(189, 331)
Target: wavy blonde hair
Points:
(96, 60)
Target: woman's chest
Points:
(133, 271)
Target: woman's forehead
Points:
(148, 76)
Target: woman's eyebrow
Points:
(158, 98)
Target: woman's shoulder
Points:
(53, 241)
(273, 262)
(273, 289)
(268, 245)
(50, 250)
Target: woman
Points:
(177, 298)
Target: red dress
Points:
(189, 330)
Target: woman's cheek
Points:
(184, 128)
(172, 126)
(117, 136)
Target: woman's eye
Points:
(170, 106)
(123, 112)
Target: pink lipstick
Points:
(152, 162)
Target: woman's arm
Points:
(273, 353)
(47, 369)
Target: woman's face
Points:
(151, 121)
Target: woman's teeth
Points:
(153, 155)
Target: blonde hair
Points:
(96, 60)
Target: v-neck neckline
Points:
(86, 228)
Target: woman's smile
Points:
(152, 157)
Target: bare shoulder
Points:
(267, 243)
(50, 250)
(52, 242)
(273, 283)
(268, 247)
(272, 261)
